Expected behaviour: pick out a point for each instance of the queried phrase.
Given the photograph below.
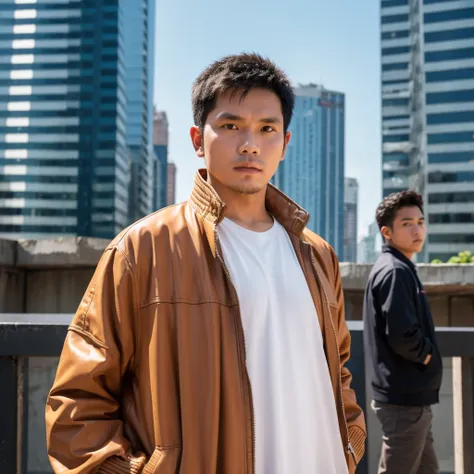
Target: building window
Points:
(38, 228)
(386, 19)
(395, 50)
(453, 197)
(38, 179)
(451, 238)
(395, 34)
(396, 159)
(454, 137)
(396, 117)
(395, 102)
(12, 211)
(450, 74)
(395, 66)
(454, 218)
(449, 15)
(449, 55)
(449, 35)
(394, 3)
(450, 117)
(453, 157)
(396, 138)
(451, 96)
(450, 177)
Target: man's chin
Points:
(246, 189)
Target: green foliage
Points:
(460, 258)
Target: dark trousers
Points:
(407, 439)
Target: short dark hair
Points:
(240, 73)
(387, 209)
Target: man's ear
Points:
(285, 145)
(197, 140)
(386, 233)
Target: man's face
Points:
(408, 232)
(244, 140)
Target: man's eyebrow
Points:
(229, 116)
(270, 120)
(237, 118)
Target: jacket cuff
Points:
(118, 465)
(357, 438)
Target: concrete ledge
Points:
(85, 252)
(61, 252)
(442, 278)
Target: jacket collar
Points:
(399, 255)
(209, 205)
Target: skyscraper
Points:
(63, 158)
(367, 249)
(351, 190)
(171, 186)
(428, 114)
(160, 146)
(313, 171)
(139, 33)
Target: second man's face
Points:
(409, 231)
(243, 140)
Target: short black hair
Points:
(388, 208)
(240, 73)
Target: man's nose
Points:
(249, 146)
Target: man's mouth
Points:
(248, 168)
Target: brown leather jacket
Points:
(152, 378)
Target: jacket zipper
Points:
(224, 266)
(349, 448)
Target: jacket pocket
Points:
(164, 460)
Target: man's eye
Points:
(229, 126)
(268, 129)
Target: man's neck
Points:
(247, 210)
(408, 255)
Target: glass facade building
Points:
(428, 114)
(351, 195)
(63, 158)
(160, 148)
(138, 34)
(69, 133)
(313, 171)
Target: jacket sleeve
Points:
(354, 415)
(84, 432)
(402, 328)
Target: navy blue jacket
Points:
(399, 334)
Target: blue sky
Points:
(334, 43)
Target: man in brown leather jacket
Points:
(212, 336)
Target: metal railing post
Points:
(9, 414)
(463, 371)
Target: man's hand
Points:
(427, 360)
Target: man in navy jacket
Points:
(403, 358)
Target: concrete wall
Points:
(46, 276)
(450, 290)
(41, 276)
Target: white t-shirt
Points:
(296, 423)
